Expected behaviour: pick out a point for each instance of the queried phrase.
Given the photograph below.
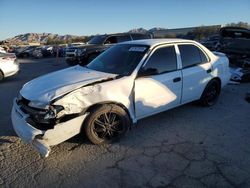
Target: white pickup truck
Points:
(129, 81)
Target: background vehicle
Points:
(211, 43)
(8, 65)
(235, 40)
(128, 82)
(26, 52)
(41, 51)
(85, 53)
(2, 50)
(235, 43)
(37, 52)
(75, 44)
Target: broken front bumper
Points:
(40, 139)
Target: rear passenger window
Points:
(123, 38)
(163, 59)
(140, 36)
(203, 57)
(111, 40)
(191, 55)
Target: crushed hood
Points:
(53, 85)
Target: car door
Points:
(162, 90)
(196, 71)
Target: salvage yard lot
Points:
(189, 146)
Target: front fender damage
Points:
(75, 102)
(67, 121)
(119, 91)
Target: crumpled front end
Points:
(46, 116)
(41, 139)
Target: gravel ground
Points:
(189, 146)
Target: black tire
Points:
(1, 75)
(106, 123)
(211, 93)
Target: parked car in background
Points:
(235, 42)
(211, 43)
(127, 82)
(2, 50)
(8, 65)
(37, 52)
(26, 52)
(40, 51)
(75, 44)
(86, 53)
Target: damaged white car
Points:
(130, 81)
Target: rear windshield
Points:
(120, 59)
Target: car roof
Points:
(234, 28)
(129, 33)
(156, 42)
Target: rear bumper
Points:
(42, 140)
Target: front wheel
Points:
(106, 123)
(211, 93)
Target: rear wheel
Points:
(211, 93)
(106, 123)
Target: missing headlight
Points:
(53, 111)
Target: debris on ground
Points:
(233, 83)
(236, 74)
(240, 74)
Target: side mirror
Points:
(147, 72)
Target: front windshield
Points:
(120, 59)
(99, 39)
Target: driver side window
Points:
(111, 40)
(163, 60)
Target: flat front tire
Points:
(106, 123)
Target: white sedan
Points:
(8, 65)
(129, 81)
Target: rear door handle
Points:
(209, 70)
(177, 79)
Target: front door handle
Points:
(177, 79)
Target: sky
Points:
(88, 17)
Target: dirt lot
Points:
(189, 146)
